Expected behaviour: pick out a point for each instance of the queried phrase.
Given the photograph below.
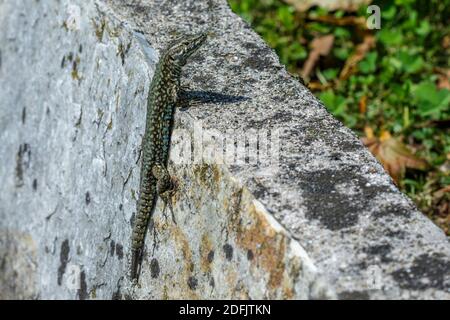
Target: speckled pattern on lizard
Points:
(163, 97)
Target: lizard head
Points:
(182, 48)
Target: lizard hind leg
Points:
(165, 187)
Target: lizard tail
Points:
(135, 264)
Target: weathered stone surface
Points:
(316, 218)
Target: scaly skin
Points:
(162, 100)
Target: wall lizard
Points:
(163, 97)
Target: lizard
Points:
(163, 97)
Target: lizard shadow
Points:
(194, 97)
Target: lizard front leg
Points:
(165, 186)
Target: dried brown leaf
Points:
(362, 104)
(346, 5)
(446, 42)
(318, 86)
(443, 81)
(360, 52)
(320, 46)
(394, 155)
(342, 21)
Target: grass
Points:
(398, 88)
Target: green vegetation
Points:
(391, 86)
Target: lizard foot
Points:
(166, 197)
(152, 226)
(166, 188)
